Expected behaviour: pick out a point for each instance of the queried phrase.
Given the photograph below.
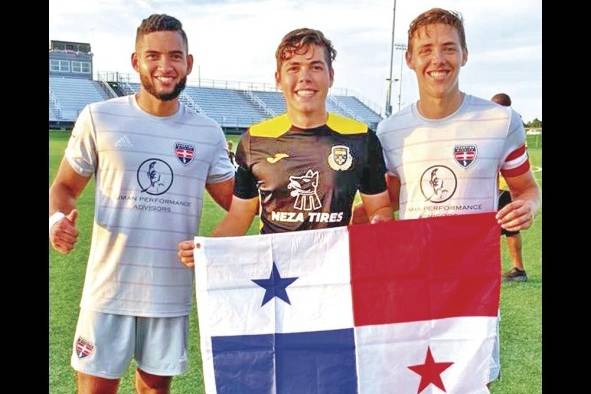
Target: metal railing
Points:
(258, 102)
(57, 108)
(107, 89)
(191, 104)
(343, 107)
(240, 85)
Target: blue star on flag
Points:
(275, 286)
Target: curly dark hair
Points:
(160, 22)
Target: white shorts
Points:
(104, 344)
(495, 370)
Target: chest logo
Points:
(465, 155)
(438, 184)
(184, 152)
(277, 157)
(340, 158)
(303, 188)
(154, 176)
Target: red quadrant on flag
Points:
(425, 269)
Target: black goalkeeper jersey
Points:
(307, 178)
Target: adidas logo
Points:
(123, 142)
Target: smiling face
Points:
(304, 79)
(436, 56)
(162, 61)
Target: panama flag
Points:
(400, 307)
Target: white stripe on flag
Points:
(320, 299)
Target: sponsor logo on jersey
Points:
(154, 176)
(277, 157)
(340, 158)
(438, 184)
(123, 142)
(465, 154)
(312, 217)
(84, 347)
(303, 188)
(184, 152)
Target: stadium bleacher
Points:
(233, 109)
(72, 95)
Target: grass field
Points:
(521, 323)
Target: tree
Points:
(536, 123)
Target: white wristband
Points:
(56, 217)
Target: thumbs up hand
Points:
(63, 233)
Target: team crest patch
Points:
(340, 158)
(84, 347)
(465, 154)
(184, 152)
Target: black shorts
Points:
(504, 199)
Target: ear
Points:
(134, 62)
(331, 75)
(408, 58)
(464, 57)
(278, 80)
(189, 63)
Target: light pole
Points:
(402, 47)
(389, 80)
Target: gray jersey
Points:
(150, 178)
(450, 166)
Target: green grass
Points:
(521, 327)
(521, 309)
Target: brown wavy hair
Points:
(438, 15)
(297, 42)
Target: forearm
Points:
(61, 198)
(66, 188)
(531, 196)
(222, 193)
(233, 225)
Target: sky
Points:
(236, 40)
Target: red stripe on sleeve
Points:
(516, 153)
(522, 169)
(425, 269)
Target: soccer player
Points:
(231, 154)
(514, 245)
(460, 139)
(152, 160)
(305, 166)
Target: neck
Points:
(307, 120)
(154, 106)
(439, 107)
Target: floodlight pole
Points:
(402, 47)
(389, 80)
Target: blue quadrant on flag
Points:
(287, 363)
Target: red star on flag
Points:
(430, 372)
